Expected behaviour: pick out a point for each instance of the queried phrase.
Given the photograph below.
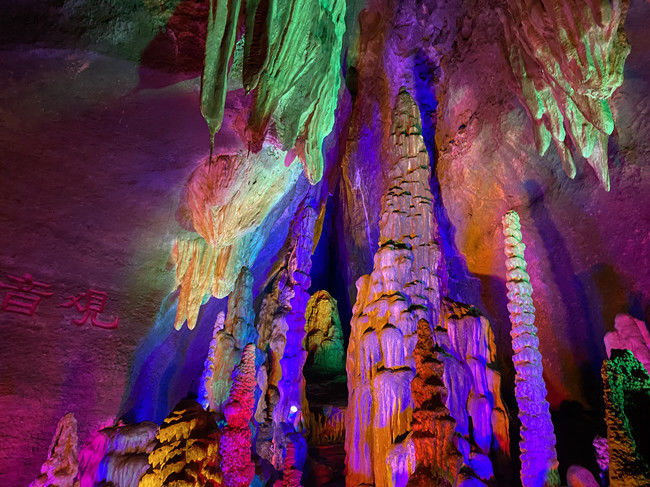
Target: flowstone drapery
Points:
(567, 57)
(538, 457)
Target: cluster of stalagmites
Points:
(567, 57)
(537, 444)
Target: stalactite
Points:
(538, 458)
(236, 438)
(626, 387)
(567, 57)
(186, 451)
(219, 45)
(401, 291)
(281, 337)
(228, 204)
(292, 54)
(61, 467)
(229, 342)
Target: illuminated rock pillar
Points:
(281, 330)
(228, 342)
(538, 457)
(401, 291)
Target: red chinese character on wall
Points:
(23, 294)
(90, 303)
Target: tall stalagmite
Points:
(402, 291)
(538, 457)
(229, 342)
(281, 338)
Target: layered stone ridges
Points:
(538, 457)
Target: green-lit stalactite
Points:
(292, 53)
(219, 45)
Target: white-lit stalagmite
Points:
(538, 457)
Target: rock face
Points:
(538, 457)
(291, 59)
(401, 291)
(630, 334)
(281, 328)
(227, 203)
(236, 439)
(60, 468)
(229, 342)
(324, 340)
(117, 455)
(627, 399)
(567, 57)
(186, 450)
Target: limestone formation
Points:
(567, 57)
(626, 387)
(291, 59)
(227, 204)
(602, 455)
(210, 365)
(229, 342)
(324, 340)
(290, 474)
(474, 385)
(630, 334)
(117, 455)
(60, 468)
(186, 452)
(236, 438)
(281, 330)
(537, 444)
(401, 291)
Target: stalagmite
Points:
(473, 380)
(626, 387)
(60, 468)
(538, 457)
(186, 451)
(630, 334)
(229, 342)
(281, 338)
(567, 57)
(211, 364)
(324, 340)
(402, 291)
(117, 455)
(236, 438)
